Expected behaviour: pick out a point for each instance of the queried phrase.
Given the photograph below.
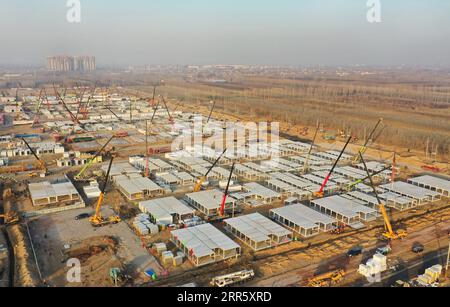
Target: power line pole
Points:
(448, 258)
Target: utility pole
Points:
(448, 258)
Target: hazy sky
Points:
(299, 32)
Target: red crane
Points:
(320, 192)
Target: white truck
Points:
(232, 278)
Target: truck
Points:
(232, 278)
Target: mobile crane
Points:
(41, 163)
(87, 165)
(389, 233)
(202, 179)
(322, 187)
(225, 194)
(97, 220)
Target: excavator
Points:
(320, 193)
(87, 165)
(202, 179)
(363, 148)
(389, 233)
(225, 194)
(97, 220)
(41, 163)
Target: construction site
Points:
(145, 190)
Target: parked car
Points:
(82, 216)
(417, 248)
(383, 250)
(355, 251)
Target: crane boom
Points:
(363, 148)
(42, 164)
(305, 168)
(202, 179)
(225, 194)
(102, 193)
(167, 109)
(72, 116)
(210, 112)
(87, 165)
(154, 111)
(390, 233)
(322, 187)
(352, 184)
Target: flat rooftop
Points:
(161, 208)
(303, 216)
(209, 199)
(432, 182)
(409, 190)
(204, 239)
(257, 227)
(343, 206)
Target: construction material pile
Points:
(144, 226)
(373, 266)
(431, 276)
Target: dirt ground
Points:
(50, 233)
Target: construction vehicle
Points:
(10, 218)
(432, 168)
(225, 194)
(41, 163)
(202, 179)
(305, 167)
(322, 187)
(232, 278)
(91, 161)
(97, 220)
(340, 228)
(327, 279)
(363, 148)
(389, 233)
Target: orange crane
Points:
(389, 233)
(225, 194)
(97, 220)
(202, 179)
(322, 187)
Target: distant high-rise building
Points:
(71, 63)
